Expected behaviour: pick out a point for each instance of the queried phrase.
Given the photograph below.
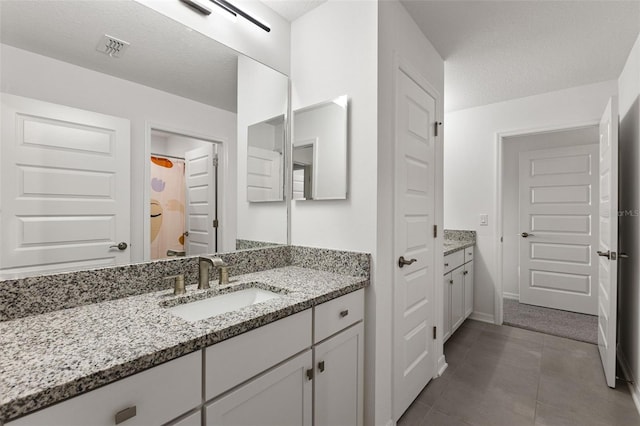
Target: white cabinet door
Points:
(457, 298)
(280, 397)
(446, 298)
(468, 288)
(338, 379)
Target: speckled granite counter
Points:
(455, 240)
(53, 356)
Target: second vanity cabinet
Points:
(458, 289)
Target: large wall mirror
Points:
(125, 138)
(320, 151)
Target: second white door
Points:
(200, 200)
(559, 228)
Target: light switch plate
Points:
(484, 219)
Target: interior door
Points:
(65, 182)
(264, 175)
(414, 282)
(200, 200)
(608, 250)
(558, 211)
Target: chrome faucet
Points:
(205, 263)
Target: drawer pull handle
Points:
(125, 414)
(344, 313)
(321, 366)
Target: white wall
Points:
(513, 146)
(470, 164)
(398, 35)
(629, 228)
(262, 95)
(39, 77)
(333, 53)
(270, 48)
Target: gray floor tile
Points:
(434, 389)
(415, 415)
(436, 418)
(503, 376)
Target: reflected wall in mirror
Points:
(80, 124)
(265, 160)
(320, 151)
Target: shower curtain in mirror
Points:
(167, 206)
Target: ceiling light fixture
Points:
(234, 10)
(228, 7)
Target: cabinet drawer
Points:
(468, 254)
(240, 358)
(453, 260)
(332, 316)
(159, 394)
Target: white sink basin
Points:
(223, 303)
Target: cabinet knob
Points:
(344, 313)
(450, 281)
(446, 264)
(126, 414)
(465, 272)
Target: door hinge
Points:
(435, 331)
(435, 127)
(435, 231)
(215, 223)
(215, 161)
(310, 374)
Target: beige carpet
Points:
(551, 321)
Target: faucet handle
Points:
(178, 284)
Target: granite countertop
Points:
(53, 356)
(452, 246)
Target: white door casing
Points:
(558, 211)
(608, 265)
(264, 175)
(414, 218)
(200, 200)
(64, 187)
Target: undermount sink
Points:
(223, 303)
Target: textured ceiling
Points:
(292, 9)
(500, 50)
(163, 54)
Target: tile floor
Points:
(505, 376)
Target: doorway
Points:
(183, 195)
(549, 239)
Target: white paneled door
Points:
(608, 244)
(559, 228)
(201, 200)
(264, 175)
(64, 187)
(414, 281)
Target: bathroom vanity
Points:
(296, 358)
(458, 279)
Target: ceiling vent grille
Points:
(112, 46)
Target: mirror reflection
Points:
(320, 151)
(96, 106)
(265, 160)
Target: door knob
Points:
(606, 254)
(402, 261)
(121, 246)
(526, 234)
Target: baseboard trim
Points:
(512, 296)
(482, 317)
(634, 387)
(442, 365)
